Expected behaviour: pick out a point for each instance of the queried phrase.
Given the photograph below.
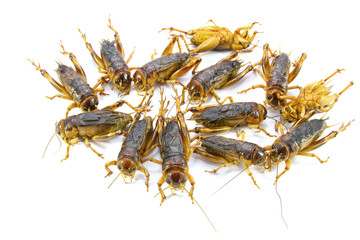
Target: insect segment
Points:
(111, 62)
(165, 69)
(218, 76)
(225, 117)
(220, 38)
(73, 85)
(175, 150)
(140, 140)
(231, 152)
(97, 125)
(315, 96)
(299, 140)
(277, 76)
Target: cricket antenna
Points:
(207, 217)
(281, 208)
(163, 190)
(47, 145)
(120, 173)
(231, 180)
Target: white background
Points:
(47, 199)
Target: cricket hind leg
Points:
(325, 139)
(207, 45)
(194, 63)
(296, 70)
(98, 60)
(74, 61)
(170, 47)
(119, 45)
(238, 77)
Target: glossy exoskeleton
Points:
(277, 76)
(111, 62)
(220, 75)
(141, 139)
(304, 136)
(220, 38)
(175, 150)
(97, 125)
(73, 85)
(231, 152)
(165, 69)
(229, 116)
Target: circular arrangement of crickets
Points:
(170, 134)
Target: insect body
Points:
(112, 62)
(220, 75)
(166, 69)
(277, 76)
(315, 96)
(140, 140)
(97, 125)
(231, 152)
(73, 85)
(228, 116)
(175, 150)
(302, 138)
(220, 38)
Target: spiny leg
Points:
(59, 96)
(147, 175)
(73, 59)
(250, 174)
(118, 104)
(59, 87)
(180, 72)
(297, 68)
(71, 106)
(224, 165)
(312, 155)
(210, 130)
(182, 125)
(184, 40)
(117, 39)
(129, 58)
(111, 163)
(160, 183)
(108, 136)
(253, 87)
(328, 108)
(203, 108)
(228, 58)
(260, 129)
(192, 182)
(152, 57)
(67, 153)
(217, 98)
(325, 139)
(87, 142)
(237, 77)
(210, 20)
(93, 54)
(169, 48)
(287, 167)
(333, 74)
(211, 157)
(99, 90)
(265, 62)
(231, 100)
(174, 29)
(242, 134)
